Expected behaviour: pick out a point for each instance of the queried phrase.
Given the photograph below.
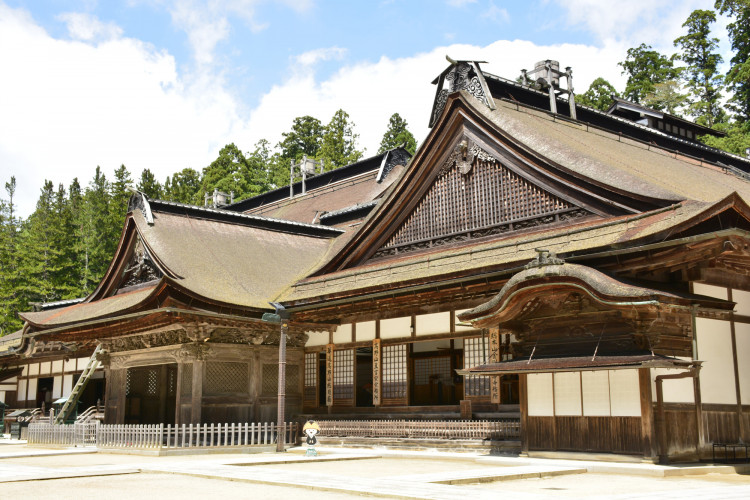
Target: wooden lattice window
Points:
(311, 379)
(476, 352)
(270, 379)
(343, 376)
(142, 382)
(394, 371)
(292, 379)
(226, 377)
(484, 199)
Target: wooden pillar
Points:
(647, 413)
(701, 439)
(197, 393)
(162, 385)
(376, 372)
(740, 420)
(178, 395)
(523, 401)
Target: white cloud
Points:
(207, 22)
(69, 106)
(372, 91)
(496, 14)
(87, 28)
(312, 57)
(633, 22)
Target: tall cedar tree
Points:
(738, 76)
(645, 68)
(232, 172)
(149, 186)
(339, 145)
(599, 95)
(183, 187)
(397, 135)
(11, 301)
(305, 139)
(698, 51)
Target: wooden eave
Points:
(460, 119)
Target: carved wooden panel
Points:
(476, 196)
(186, 384)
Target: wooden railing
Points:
(495, 430)
(160, 436)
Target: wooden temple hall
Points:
(584, 274)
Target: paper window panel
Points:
(625, 394)
(595, 389)
(539, 394)
(21, 390)
(343, 374)
(567, 390)
(394, 371)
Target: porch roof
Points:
(579, 363)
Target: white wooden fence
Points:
(161, 436)
(495, 430)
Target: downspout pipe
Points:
(661, 423)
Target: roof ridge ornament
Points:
(461, 75)
(544, 258)
(140, 201)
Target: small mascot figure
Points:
(311, 429)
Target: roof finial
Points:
(544, 258)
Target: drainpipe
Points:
(660, 417)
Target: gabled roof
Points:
(209, 258)
(344, 189)
(606, 173)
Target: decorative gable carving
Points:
(140, 267)
(475, 196)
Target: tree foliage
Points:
(397, 135)
(698, 51)
(339, 144)
(645, 68)
(599, 95)
(738, 76)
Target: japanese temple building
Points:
(585, 272)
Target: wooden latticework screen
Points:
(343, 377)
(186, 384)
(222, 378)
(311, 379)
(476, 352)
(394, 374)
(486, 200)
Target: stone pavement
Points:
(480, 477)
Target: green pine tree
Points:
(397, 135)
(339, 147)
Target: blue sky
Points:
(164, 84)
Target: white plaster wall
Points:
(595, 389)
(21, 396)
(742, 336)
(366, 330)
(539, 392)
(57, 387)
(429, 324)
(567, 390)
(675, 390)
(32, 389)
(319, 338)
(342, 335)
(393, 328)
(81, 364)
(715, 350)
(742, 298)
(44, 368)
(718, 292)
(67, 385)
(34, 369)
(57, 366)
(70, 365)
(624, 393)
